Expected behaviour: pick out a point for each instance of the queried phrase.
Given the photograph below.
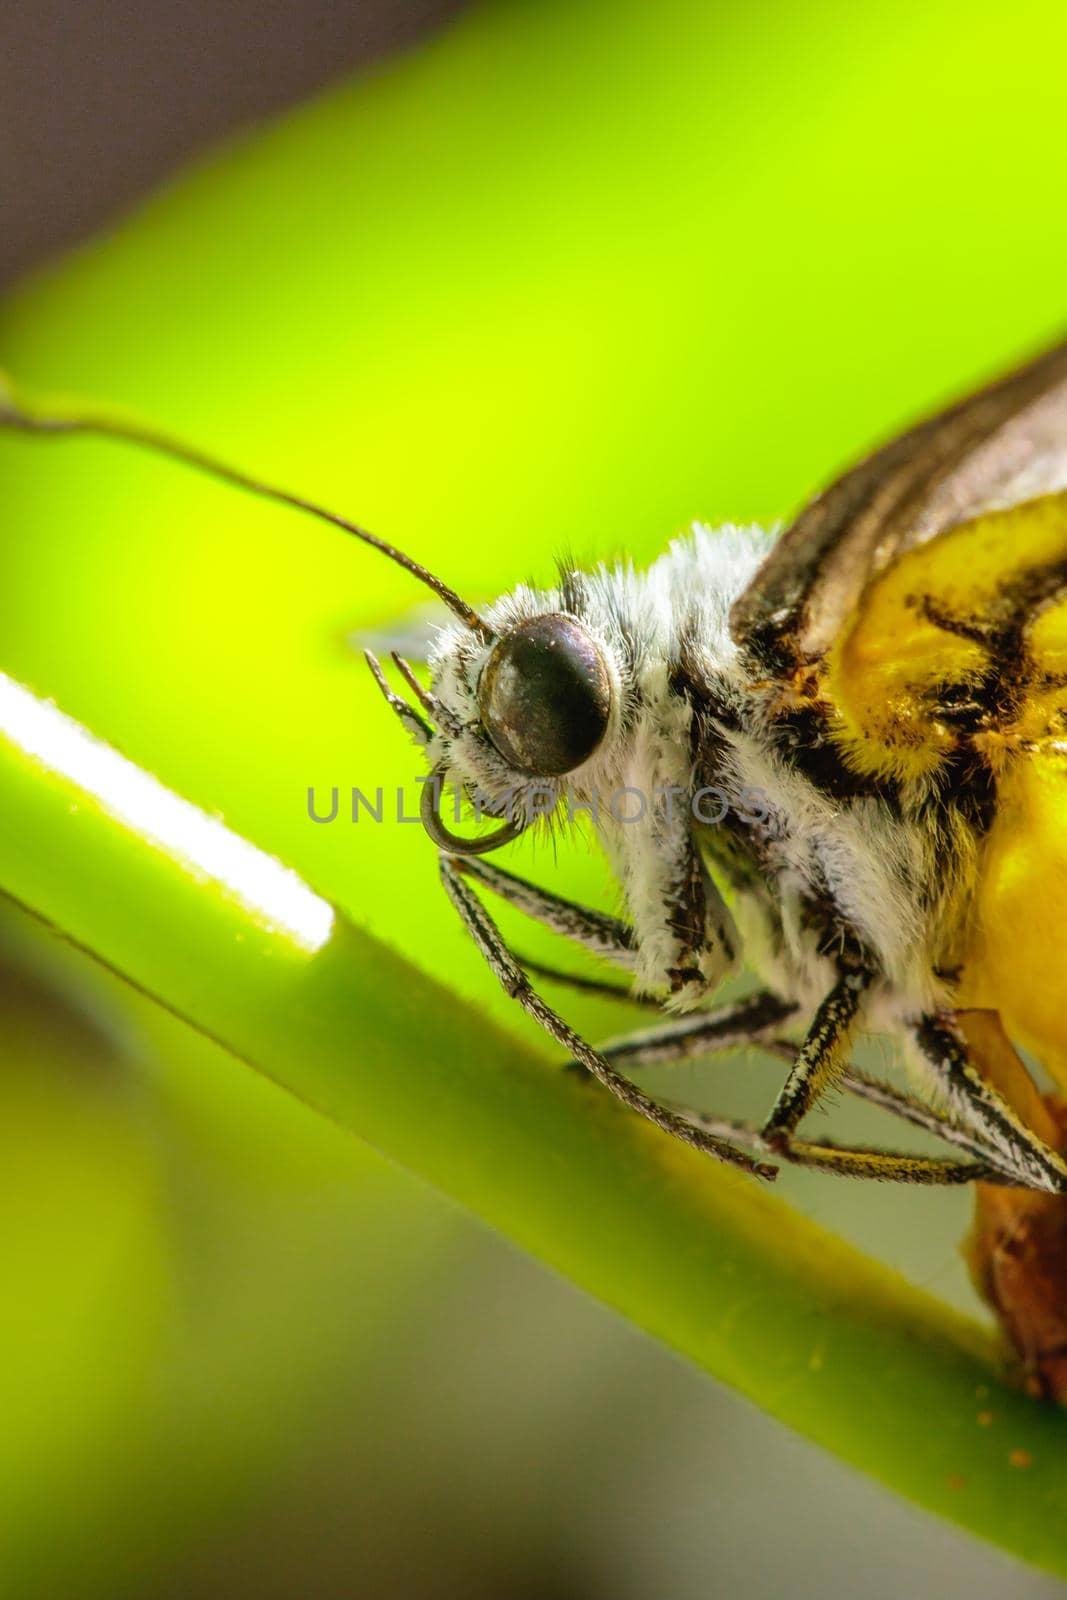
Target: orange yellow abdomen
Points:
(1017, 959)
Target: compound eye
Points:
(545, 696)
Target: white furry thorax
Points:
(871, 865)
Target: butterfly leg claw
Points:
(974, 1101)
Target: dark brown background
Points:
(101, 98)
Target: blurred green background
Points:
(559, 277)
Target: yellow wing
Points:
(956, 659)
(965, 634)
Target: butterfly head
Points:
(519, 712)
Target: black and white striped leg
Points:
(973, 1102)
(896, 1101)
(595, 931)
(909, 1109)
(584, 985)
(729, 1028)
(822, 1057)
(885, 1166)
(815, 1068)
(513, 980)
(749, 1022)
(682, 1038)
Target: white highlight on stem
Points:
(272, 892)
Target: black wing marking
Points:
(1003, 445)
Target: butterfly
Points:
(877, 697)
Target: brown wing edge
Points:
(1008, 437)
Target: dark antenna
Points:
(136, 433)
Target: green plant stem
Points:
(835, 1345)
